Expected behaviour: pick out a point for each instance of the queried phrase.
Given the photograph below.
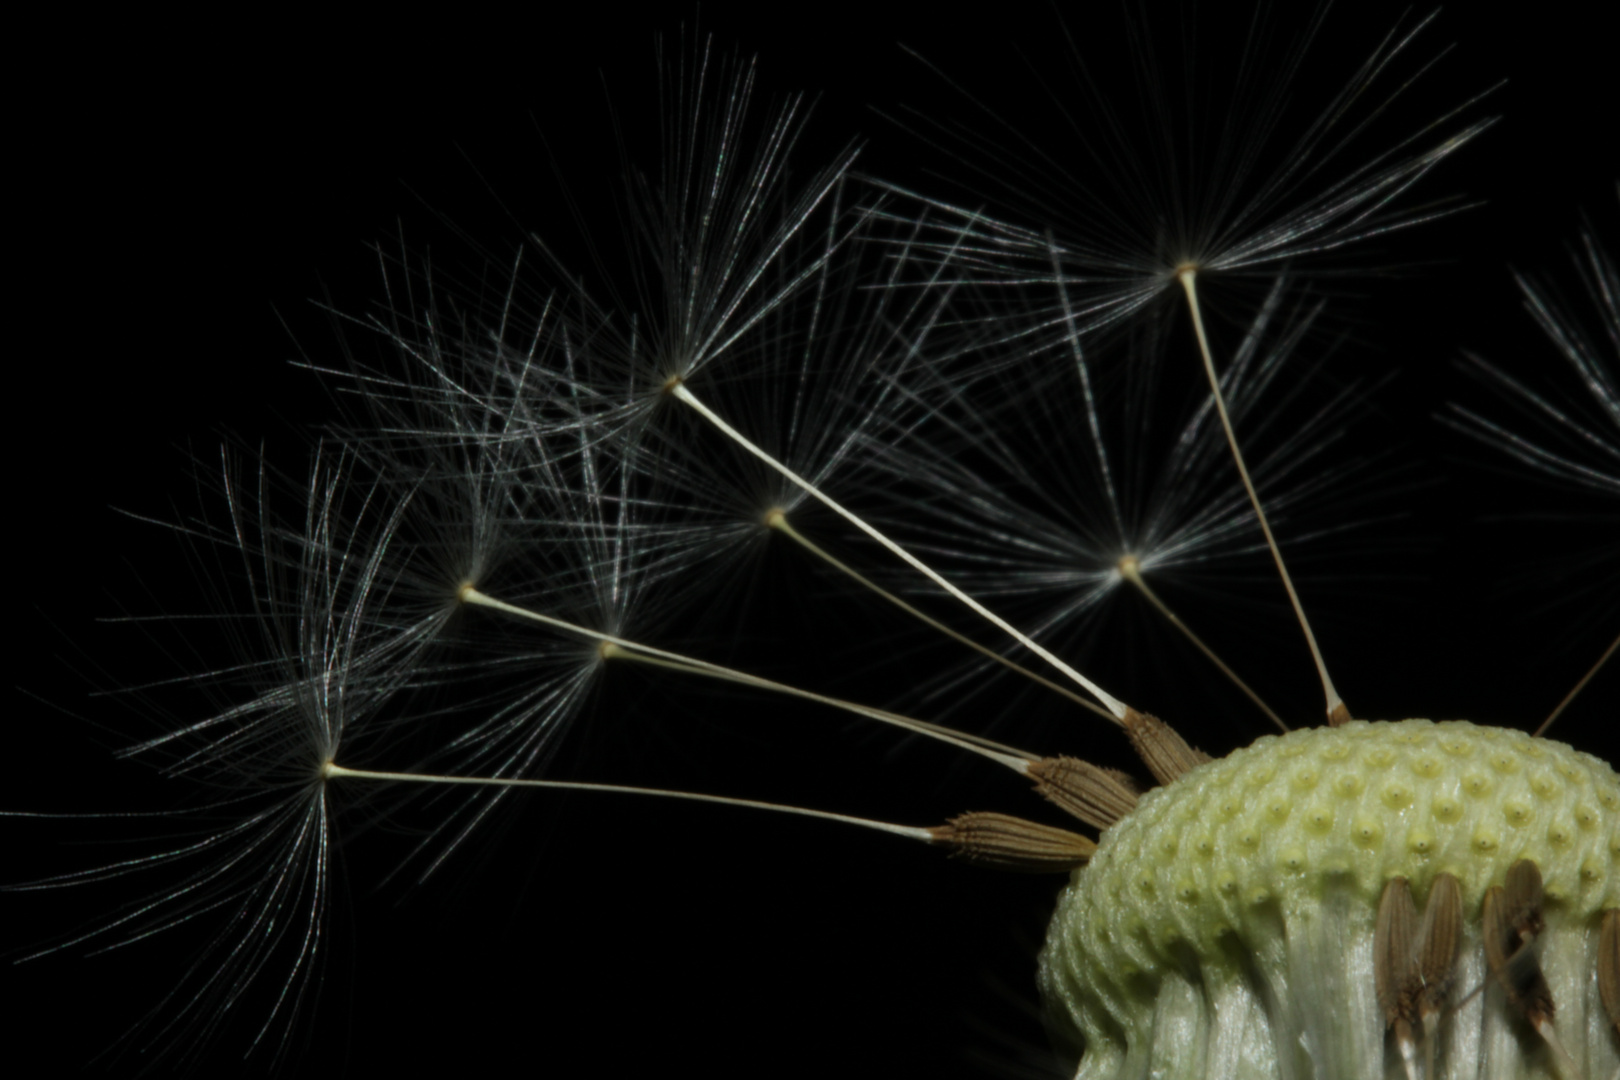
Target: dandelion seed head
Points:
(520, 425)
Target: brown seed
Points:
(1413, 962)
(1512, 918)
(1126, 780)
(1522, 893)
(1394, 967)
(1512, 921)
(1162, 750)
(1436, 946)
(1098, 797)
(1010, 843)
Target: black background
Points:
(187, 187)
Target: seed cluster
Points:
(1267, 867)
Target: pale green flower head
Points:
(1229, 926)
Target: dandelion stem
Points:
(1115, 707)
(1578, 687)
(1130, 568)
(617, 647)
(1337, 712)
(777, 520)
(332, 770)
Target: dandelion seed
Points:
(1577, 443)
(1233, 186)
(251, 856)
(1019, 501)
(530, 452)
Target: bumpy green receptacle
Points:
(1225, 928)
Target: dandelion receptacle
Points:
(532, 502)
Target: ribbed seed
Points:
(1414, 963)
(1512, 919)
(1011, 843)
(1436, 945)
(1394, 957)
(1099, 797)
(1522, 895)
(1162, 750)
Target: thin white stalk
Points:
(777, 520)
(1131, 570)
(333, 771)
(1115, 707)
(614, 646)
(1336, 710)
